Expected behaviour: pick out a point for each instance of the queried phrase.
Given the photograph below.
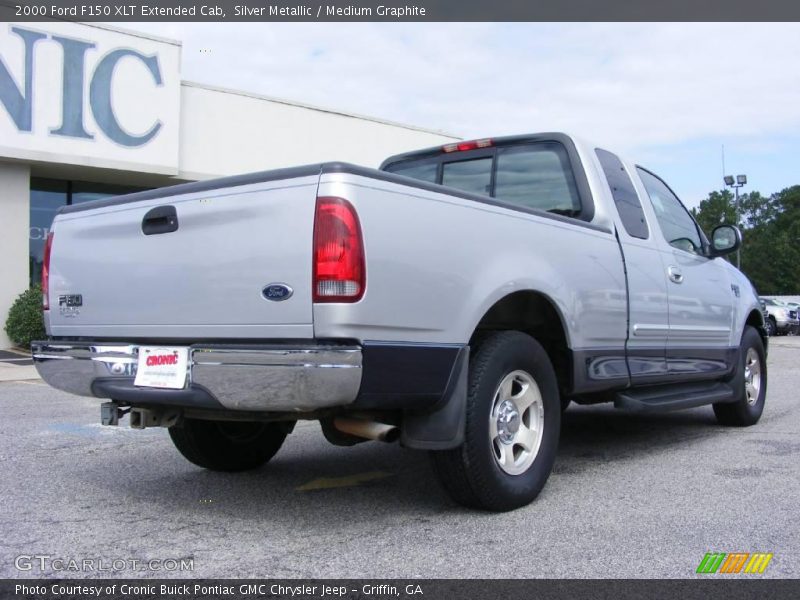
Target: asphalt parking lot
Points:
(630, 496)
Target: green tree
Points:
(717, 209)
(770, 231)
(756, 210)
(25, 323)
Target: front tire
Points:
(771, 327)
(512, 426)
(751, 381)
(227, 445)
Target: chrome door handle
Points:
(675, 274)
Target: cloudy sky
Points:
(666, 95)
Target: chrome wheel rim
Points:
(516, 422)
(752, 376)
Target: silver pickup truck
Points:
(455, 300)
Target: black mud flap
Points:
(441, 427)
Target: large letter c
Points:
(100, 97)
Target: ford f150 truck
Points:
(455, 300)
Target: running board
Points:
(674, 397)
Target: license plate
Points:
(162, 367)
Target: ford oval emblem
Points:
(277, 292)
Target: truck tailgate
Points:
(204, 280)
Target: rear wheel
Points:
(512, 428)
(227, 445)
(751, 381)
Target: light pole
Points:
(739, 182)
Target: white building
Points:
(88, 111)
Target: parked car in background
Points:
(782, 319)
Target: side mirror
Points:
(724, 240)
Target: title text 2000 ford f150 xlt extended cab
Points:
(455, 300)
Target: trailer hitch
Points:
(141, 418)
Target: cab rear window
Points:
(537, 177)
(534, 176)
(424, 171)
(469, 175)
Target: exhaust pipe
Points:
(370, 430)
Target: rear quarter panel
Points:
(436, 263)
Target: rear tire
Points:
(751, 381)
(227, 445)
(512, 426)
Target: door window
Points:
(676, 223)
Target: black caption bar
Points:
(431, 589)
(408, 10)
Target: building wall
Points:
(225, 132)
(14, 188)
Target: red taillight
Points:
(46, 272)
(464, 146)
(339, 272)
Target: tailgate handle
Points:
(161, 219)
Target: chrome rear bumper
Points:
(247, 378)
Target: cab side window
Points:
(624, 194)
(676, 223)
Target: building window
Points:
(47, 196)
(84, 191)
